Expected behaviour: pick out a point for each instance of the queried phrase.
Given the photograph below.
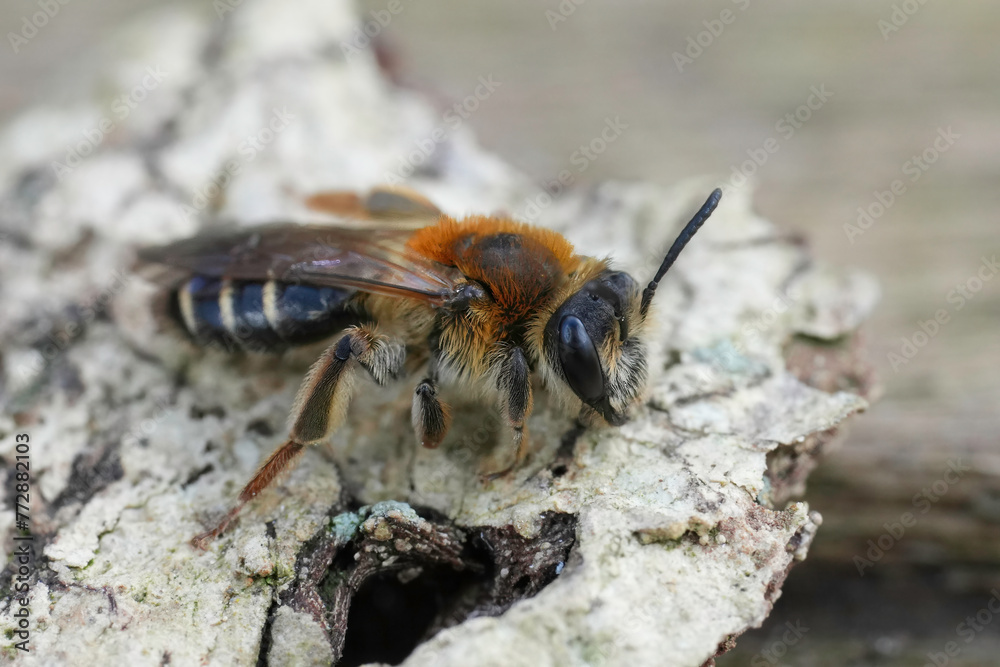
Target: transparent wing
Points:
(395, 206)
(370, 260)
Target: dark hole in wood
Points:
(388, 618)
(379, 599)
(521, 587)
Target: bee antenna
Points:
(682, 240)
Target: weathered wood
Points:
(669, 531)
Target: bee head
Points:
(589, 344)
(590, 339)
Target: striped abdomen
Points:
(260, 315)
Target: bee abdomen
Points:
(261, 316)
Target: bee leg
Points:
(431, 418)
(514, 385)
(320, 407)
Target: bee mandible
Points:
(482, 302)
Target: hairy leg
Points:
(431, 417)
(514, 386)
(320, 407)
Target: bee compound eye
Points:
(580, 364)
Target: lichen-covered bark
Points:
(651, 544)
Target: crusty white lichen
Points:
(140, 441)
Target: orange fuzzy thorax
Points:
(519, 264)
(438, 242)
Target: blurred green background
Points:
(895, 74)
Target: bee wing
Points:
(369, 260)
(387, 205)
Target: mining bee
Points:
(482, 302)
